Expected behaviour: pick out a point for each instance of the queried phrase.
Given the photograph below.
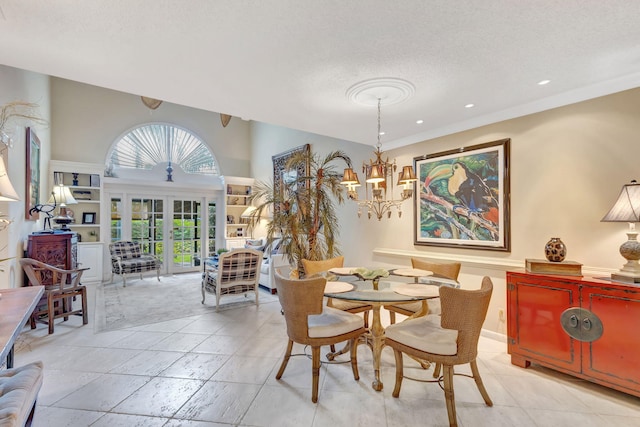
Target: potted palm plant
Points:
(304, 217)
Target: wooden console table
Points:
(583, 326)
(16, 305)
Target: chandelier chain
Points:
(379, 143)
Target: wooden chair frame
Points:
(59, 295)
(464, 311)
(301, 299)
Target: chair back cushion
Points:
(240, 265)
(315, 267)
(125, 249)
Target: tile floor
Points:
(218, 370)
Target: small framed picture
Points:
(88, 217)
(94, 180)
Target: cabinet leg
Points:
(520, 361)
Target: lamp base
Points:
(617, 277)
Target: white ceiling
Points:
(290, 62)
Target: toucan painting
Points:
(460, 196)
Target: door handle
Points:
(587, 330)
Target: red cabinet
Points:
(582, 326)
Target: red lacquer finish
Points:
(535, 303)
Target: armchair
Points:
(57, 300)
(127, 257)
(238, 273)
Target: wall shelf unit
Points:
(236, 201)
(85, 182)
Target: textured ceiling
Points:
(291, 62)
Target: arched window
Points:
(158, 143)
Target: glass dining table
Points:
(390, 290)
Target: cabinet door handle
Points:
(581, 324)
(573, 321)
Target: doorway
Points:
(168, 227)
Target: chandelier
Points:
(379, 173)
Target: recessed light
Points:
(469, 105)
(543, 82)
(419, 122)
(381, 133)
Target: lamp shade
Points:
(376, 174)
(7, 192)
(407, 175)
(248, 213)
(62, 196)
(350, 177)
(627, 207)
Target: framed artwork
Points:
(463, 198)
(33, 174)
(283, 175)
(88, 217)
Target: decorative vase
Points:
(555, 250)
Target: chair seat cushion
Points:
(333, 322)
(19, 389)
(425, 334)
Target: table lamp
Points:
(61, 195)
(627, 209)
(250, 216)
(7, 192)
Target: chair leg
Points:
(479, 383)
(203, 292)
(353, 343)
(399, 372)
(287, 355)
(449, 395)
(158, 274)
(436, 370)
(332, 347)
(50, 313)
(392, 317)
(315, 380)
(124, 280)
(366, 319)
(85, 315)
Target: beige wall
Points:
(87, 120)
(19, 85)
(567, 168)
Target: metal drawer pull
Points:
(586, 323)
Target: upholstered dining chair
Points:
(450, 339)
(450, 270)
(321, 266)
(57, 300)
(238, 273)
(310, 322)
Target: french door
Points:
(167, 227)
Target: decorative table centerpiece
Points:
(371, 274)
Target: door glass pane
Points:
(116, 219)
(146, 224)
(186, 233)
(212, 228)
